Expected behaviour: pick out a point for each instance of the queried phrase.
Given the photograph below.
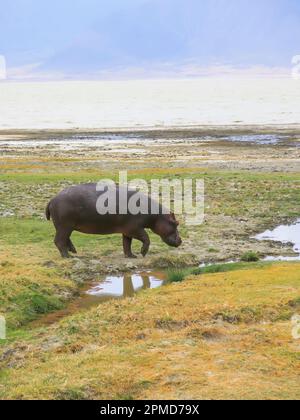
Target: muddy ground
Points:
(274, 150)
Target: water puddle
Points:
(263, 139)
(124, 286)
(111, 287)
(285, 234)
(210, 264)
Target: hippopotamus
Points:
(77, 209)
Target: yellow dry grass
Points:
(217, 336)
(28, 288)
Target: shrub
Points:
(176, 276)
(250, 256)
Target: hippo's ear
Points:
(174, 219)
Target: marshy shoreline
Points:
(198, 130)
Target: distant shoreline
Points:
(285, 129)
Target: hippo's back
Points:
(74, 203)
(78, 207)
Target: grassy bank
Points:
(225, 335)
(28, 287)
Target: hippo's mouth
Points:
(178, 243)
(174, 243)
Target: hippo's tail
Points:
(48, 214)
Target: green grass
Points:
(250, 256)
(227, 267)
(179, 275)
(235, 194)
(148, 174)
(18, 231)
(31, 304)
(176, 275)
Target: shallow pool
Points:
(285, 234)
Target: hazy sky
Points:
(89, 37)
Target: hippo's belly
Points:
(95, 229)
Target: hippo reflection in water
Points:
(77, 209)
(125, 286)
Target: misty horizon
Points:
(148, 38)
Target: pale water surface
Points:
(125, 285)
(284, 234)
(148, 104)
(107, 288)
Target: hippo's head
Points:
(166, 227)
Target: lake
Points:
(149, 103)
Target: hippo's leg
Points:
(62, 241)
(127, 242)
(72, 247)
(143, 236)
